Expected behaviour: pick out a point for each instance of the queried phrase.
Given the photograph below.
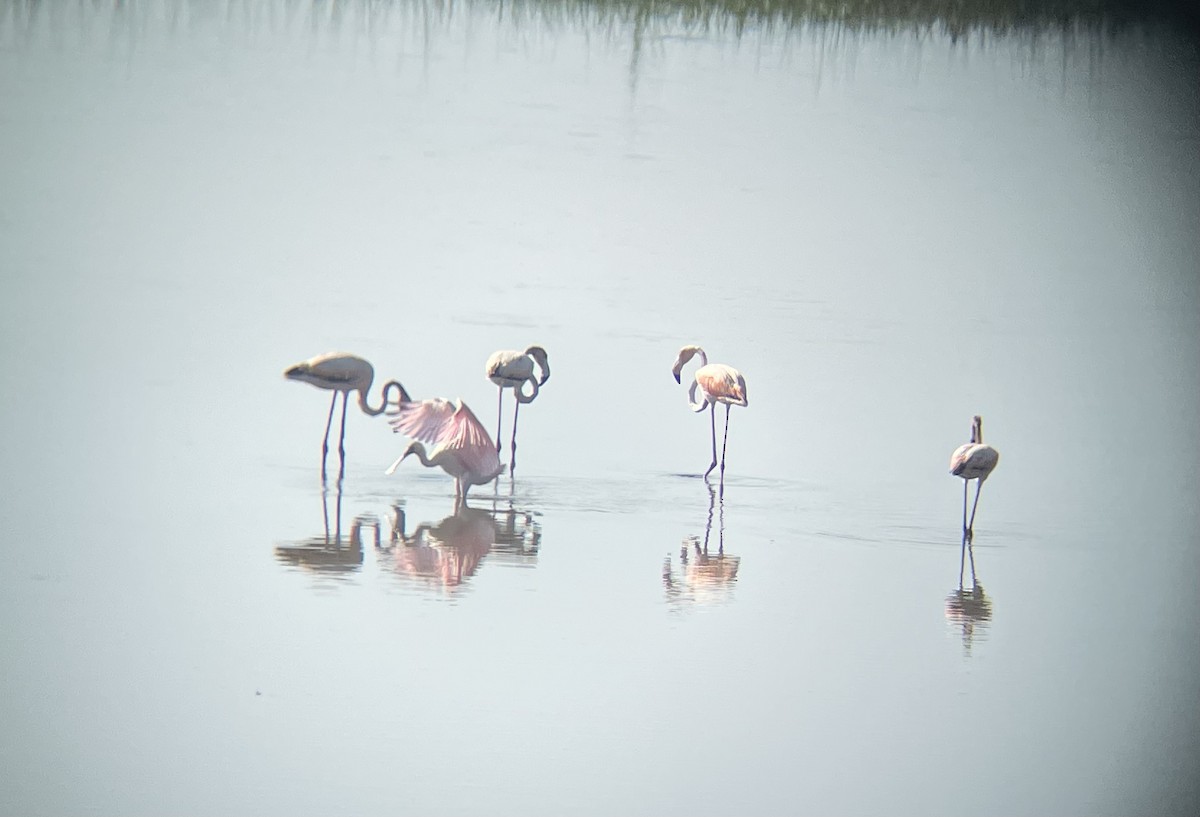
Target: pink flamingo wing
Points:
(473, 446)
(424, 420)
(464, 431)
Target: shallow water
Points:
(886, 233)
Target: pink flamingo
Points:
(461, 445)
(510, 369)
(719, 384)
(973, 460)
(341, 373)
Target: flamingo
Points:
(720, 384)
(341, 373)
(461, 445)
(510, 369)
(973, 460)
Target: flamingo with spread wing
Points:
(459, 444)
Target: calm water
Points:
(886, 233)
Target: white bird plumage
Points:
(973, 460)
(512, 369)
(341, 373)
(719, 384)
(459, 444)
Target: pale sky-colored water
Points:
(886, 234)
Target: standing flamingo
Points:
(510, 369)
(341, 373)
(973, 460)
(461, 445)
(720, 384)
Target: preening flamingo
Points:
(973, 460)
(510, 369)
(719, 384)
(341, 373)
(460, 444)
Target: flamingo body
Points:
(722, 384)
(336, 371)
(974, 461)
(460, 445)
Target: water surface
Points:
(886, 232)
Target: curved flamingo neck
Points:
(419, 450)
(374, 412)
(519, 391)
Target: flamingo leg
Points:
(714, 441)
(964, 522)
(724, 444)
(971, 524)
(971, 555)
(499, 416)
(325, 442)
(342, 438)
(512, 465)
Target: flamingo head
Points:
(685, 354)
(543, 361)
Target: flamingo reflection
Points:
(518, 534)
(440, 556)
(328, 554)
(969, 609)
(702, 578)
